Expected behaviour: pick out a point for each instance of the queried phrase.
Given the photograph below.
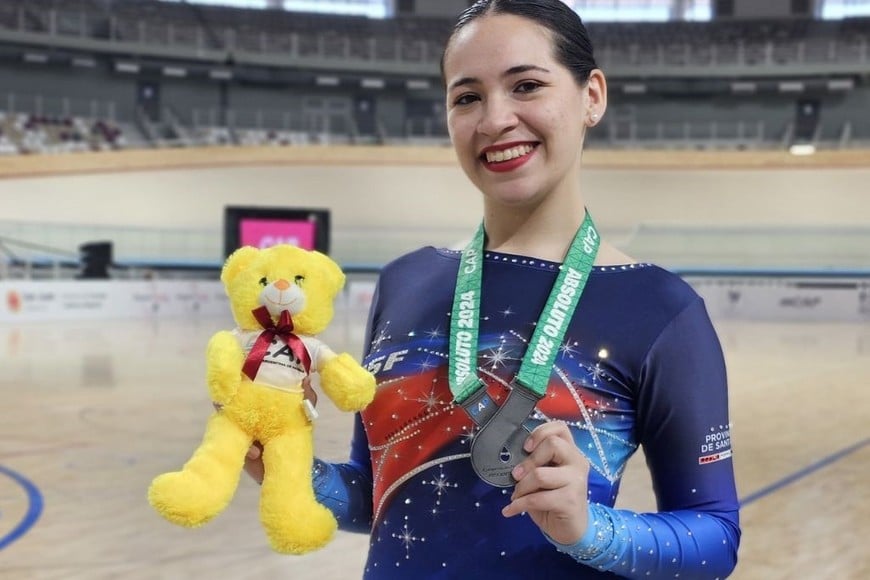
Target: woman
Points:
(469, 463)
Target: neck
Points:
(544, 231)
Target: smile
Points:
(508, 154)
(508, 158)
(279, 303)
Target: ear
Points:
(334, 276)
(596, 102)
(237, 262)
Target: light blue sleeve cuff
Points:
(345, 492)
(598, 537)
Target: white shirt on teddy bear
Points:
(281, 369)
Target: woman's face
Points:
(515, 115)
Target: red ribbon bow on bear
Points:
(284, 331)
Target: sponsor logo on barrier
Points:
(188, 300)
(73, 299)
(13, 301)
(803, 302)
(91, 301)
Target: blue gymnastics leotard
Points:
(641, 365)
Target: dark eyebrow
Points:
(514, 70)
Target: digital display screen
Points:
(263, 233)
(262, 227)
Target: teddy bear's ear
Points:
(333, 273)
(237, 262)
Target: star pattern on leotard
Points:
(441, 485)
(407, 538)
(498, 358)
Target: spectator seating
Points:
(29, 133)
(421, 39)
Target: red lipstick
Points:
(505, 166)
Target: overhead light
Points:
(174, 71)
(791, 87)
(84, 62)
(634, 89)
(326, 81)
(802, 149)
(743, 87)
(418, 84)
(372, 83)
(841, 85)
(35, 57)
(220, 74)
(127, 67)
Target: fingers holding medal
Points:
(552, 484)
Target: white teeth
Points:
(508, 154)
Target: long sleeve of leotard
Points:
(346, 488)
(683, 428)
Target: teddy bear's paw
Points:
(348, 384)
(185, 499)
(301, 531)
(224, 359)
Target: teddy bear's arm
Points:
(348, 384)
(224, 359)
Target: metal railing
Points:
(32, 250)
(58, 106)
(811, 248)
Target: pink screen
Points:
(262, 233)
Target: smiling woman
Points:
(541, 357)
(517, 118)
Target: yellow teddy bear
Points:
(280, 297)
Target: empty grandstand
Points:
(154, 73)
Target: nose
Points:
(498, 117)
(282, 284)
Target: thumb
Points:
(254, 451)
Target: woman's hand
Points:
(254, 462)
(552, 484)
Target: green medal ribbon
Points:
(498, 445)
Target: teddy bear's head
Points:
(282, 277)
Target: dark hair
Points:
(571, 44)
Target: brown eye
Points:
(263, 281)
(528, 87)
(465, 99)
(299, 280)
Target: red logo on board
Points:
(13, 300)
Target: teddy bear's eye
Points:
(263, 281)
(299, 280)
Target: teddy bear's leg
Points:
(207, 482)
(294, 521)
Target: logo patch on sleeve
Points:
(716, 445)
